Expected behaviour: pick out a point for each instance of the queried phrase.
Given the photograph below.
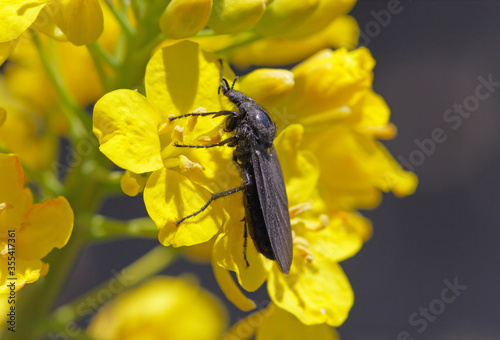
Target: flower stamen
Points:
(185, 164)
(163, 129)
(5, 206)
(299, 209)
(302, 245)
(178, 134)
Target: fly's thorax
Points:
(261, 124)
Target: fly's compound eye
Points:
(230, 124)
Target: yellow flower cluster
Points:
(269, 32)
(329, 119)
(291, 18)
(163, 56)
(28, 231)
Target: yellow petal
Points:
(232, 292)
(267, 87)
(169, 196)
(16, 16)
(340, 239)
(315, 292)
(184, 18)
(231, 16)
(82, 20)
(48, 20)
(162, 308)
(27, 271)
(355, 167)
(13, 198)
(229, 251)
(300, 168)
(132, 184)
(182, 77)
(329, 81)
(371, 116)
(343, 32)
(5, 49)
(126, 125)
(46, 226)
(279, 324)
(283, 15)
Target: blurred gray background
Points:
(430, 56)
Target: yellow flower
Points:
(316, 290)
(162, 308)
(135, 133)
(333, 99)
(79, 21)
(28, 231)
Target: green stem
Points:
(103, 228)
(121, 17)
(104, 55)
(245, 39)
(78, 119)
(97, 58)
(206, 32)
(148, 265)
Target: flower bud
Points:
(231, 16)
(81, 20)
(342, 32)
(184, 18)
(283, 15)
(267, 87)
(323, 16)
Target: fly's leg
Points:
(215, 196)
(245, 237)
(221, 143)
(201, 114)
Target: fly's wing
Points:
(274, 204)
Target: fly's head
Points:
(236, 97)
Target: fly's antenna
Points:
(224, 84)
(234, 82)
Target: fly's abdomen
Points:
(255, 222)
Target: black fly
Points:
(264, 197)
